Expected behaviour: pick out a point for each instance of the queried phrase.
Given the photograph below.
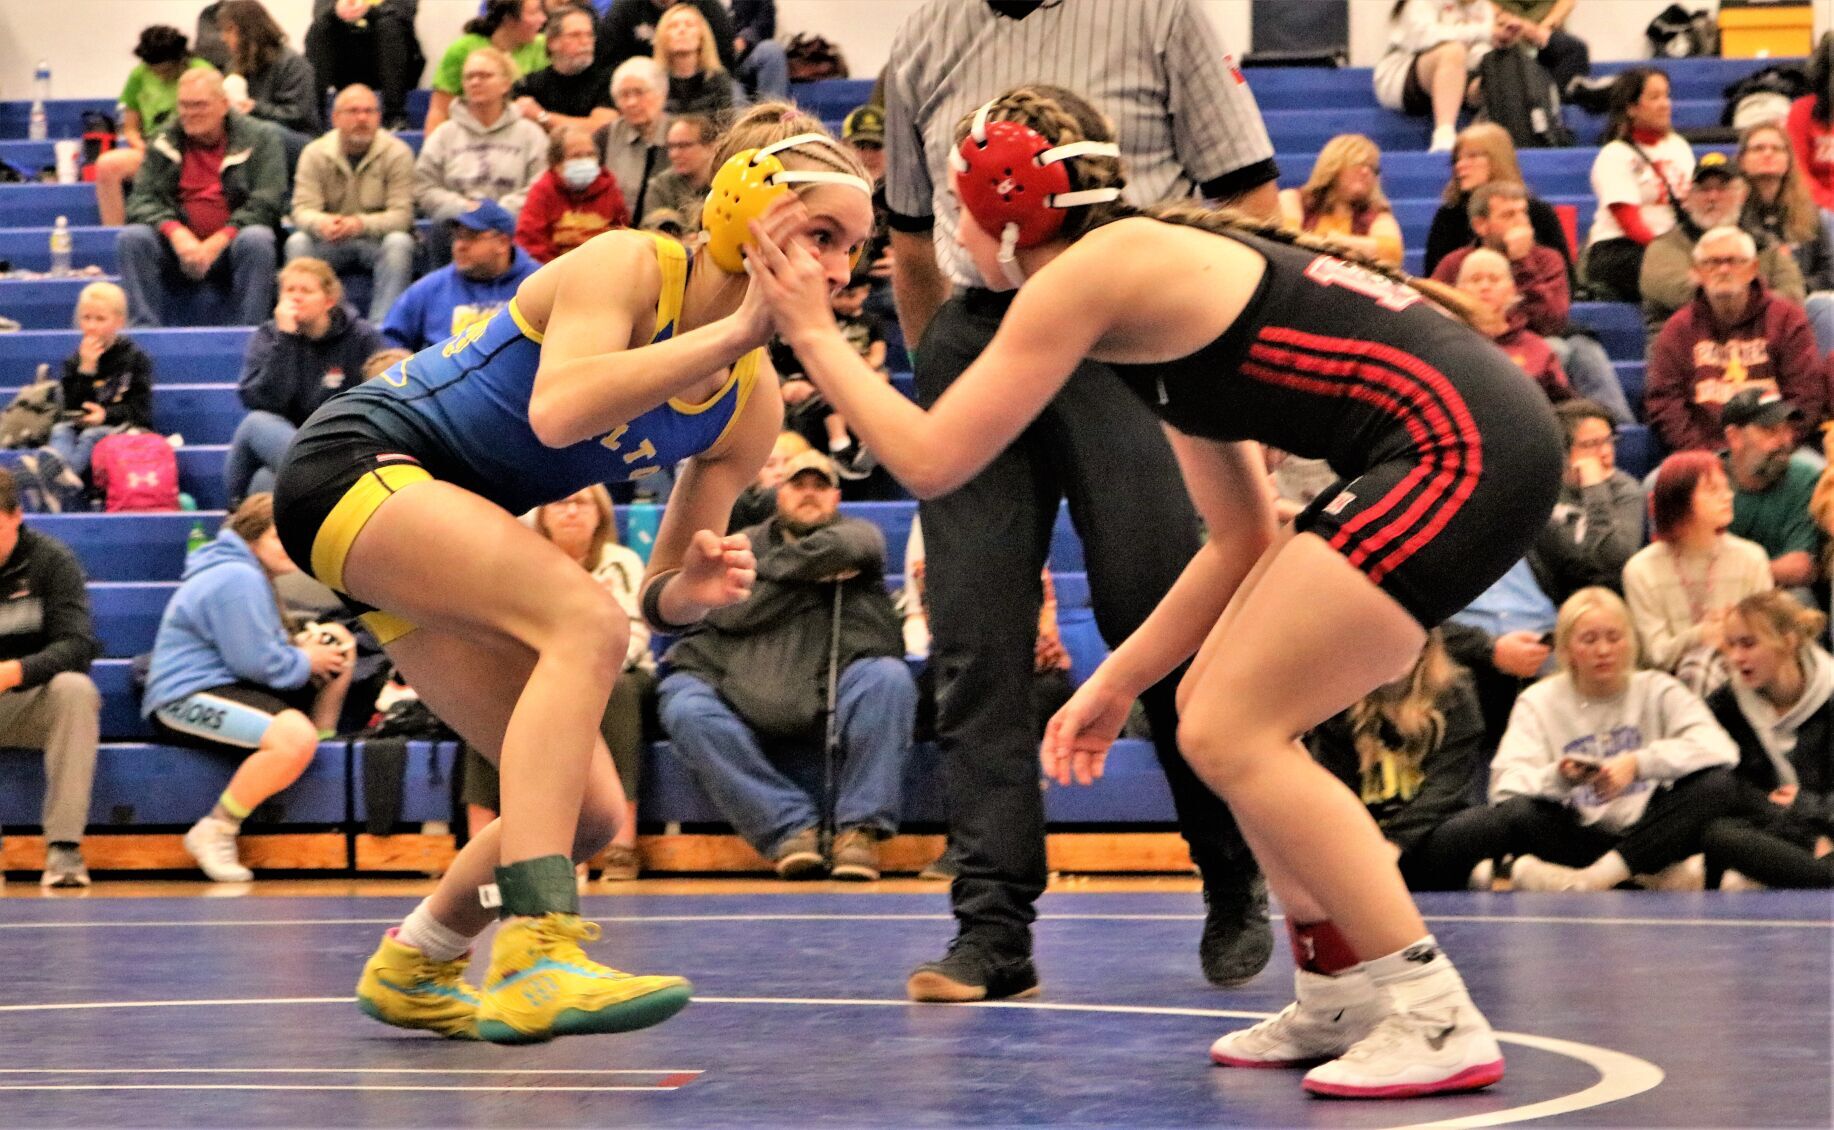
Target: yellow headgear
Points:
(745, 186)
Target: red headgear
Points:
(1015, 184)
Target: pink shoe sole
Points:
(1283, 1064)
(1470, 1079)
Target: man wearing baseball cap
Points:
(1771, 490)
(485, 271)
(1717, 199)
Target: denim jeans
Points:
(255, 452)
(765, 72)
(877, 708)
(1820, 309)
(387, 259)
(1591, 374)
(77, 447)
(152, 279)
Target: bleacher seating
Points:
(133, 561)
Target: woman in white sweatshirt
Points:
(1604, 772)
(485, 150)
(1433, 49)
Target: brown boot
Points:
(856, 855)
(622, 864)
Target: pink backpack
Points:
(135, 471)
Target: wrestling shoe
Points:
(404, 987)
(542, 985)
(1439, 1049)
(1327, 1017)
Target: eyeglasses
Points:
(1723, 263)
(675, 145)
(1599, 444)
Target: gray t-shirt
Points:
(1182, 110)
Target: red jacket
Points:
(1814, 146)
(1696, 365)
(555, 219)
(1530, 352)
(1541, 280)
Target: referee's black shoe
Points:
(972, 971)
(1237, 941)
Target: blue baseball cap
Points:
(487, 216)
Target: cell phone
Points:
(1592, 764)
(72, 414)
(1547, 639)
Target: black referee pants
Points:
(1098, 447)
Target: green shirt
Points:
(1778, 519)
(152, 97)
(530, 57)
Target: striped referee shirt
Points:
(1182, 111)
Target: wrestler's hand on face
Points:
(717, 571)
(780, 222)
(793, 284)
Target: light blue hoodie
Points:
(222, 627)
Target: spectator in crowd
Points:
(758, 501)
(1734, 334)
(1542, 25)
(583, 527)
(1770, 489)
(571, 90)
(754, 674)
(629, 29)
(759, 61)
(1640, 173)
(227, 675)
(1486, 276)
(512, 27)
(1598, 522)
(312, 348)
(687, 49)
(368, 43)
(1681, 584)
(47, 700)
(484, 151)
(573, 201)
(1606, 772)
(281, 88)
(1434, 47)
(353, 200)
(1668, 280)
(1504, 638)
(682, 188)
(634, 147)
(485, 271)
(1343, 199)
(808, 412)
(204, 208)
(1821, 504)
(1484, 154)
(1811, 125)
(1777, 711)
(1409, 750)
(1780, 206)
(147, 102)
(1500, 220)
(108, 381)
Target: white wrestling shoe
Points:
(1441, 1048)
(213, 844)
(1327, 1017)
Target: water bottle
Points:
(60, 247)
(38, 129)
(198, 538)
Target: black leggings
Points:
(1669, 831)
(1776, 853)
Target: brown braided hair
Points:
(1062, 116)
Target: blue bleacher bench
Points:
(143, 784)
(127, 547)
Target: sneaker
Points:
(944, 867)
(1327, 1017)
(542, 985)
(213, 844)
(1482, 876)
(1444, 138)
(1431, 1051)
(1689, 874)
(1237, 941)
(1531, 873)
(799, 857)
(404, 987)
(1733, 881)
(622, 864)
(856, 856)
(970, 972)
(64, 868)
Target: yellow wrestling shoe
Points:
(403, 987)
(542, 985)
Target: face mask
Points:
(579, 172)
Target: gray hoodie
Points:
(463, 161)
(1666, 725)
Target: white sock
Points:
(1415, 975)
(431, 937)
(1606, 872)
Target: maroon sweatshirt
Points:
(1541, 280)
(1530, 351)
(1696, 365)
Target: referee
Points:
(1186, 122)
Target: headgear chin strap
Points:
(745, 186)
(1016, 185)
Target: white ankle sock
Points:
(1605, 872)
(1415, 975)
(431, 937)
